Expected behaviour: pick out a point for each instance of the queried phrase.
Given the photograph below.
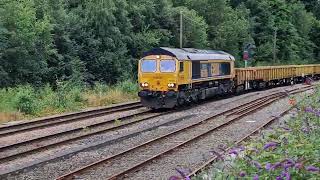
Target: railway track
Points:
(215, 158)
(29, 148)
(198, 130)
(68, 118)
(37, 145)
(43, 143)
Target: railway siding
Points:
(65, 159)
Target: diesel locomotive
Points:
(170, 77)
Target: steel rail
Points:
(265, 103)
(138, 165)
(75, 130)
(16, 155)
(68, 118)
(271, 120)
(210, 161)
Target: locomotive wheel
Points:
(195, 99)
(181, 101)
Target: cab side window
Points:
(181, 67)
(225, 69)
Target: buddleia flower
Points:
(312, 169)
(298, 165)
(233, 151)
(242, 174)
(257, 164)
(270, 145)
(279, 178)
(268, 166)
(308, 109)
(256, 177)
(287, 175)
(276, 165)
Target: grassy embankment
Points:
(290, 151)
(26, 102)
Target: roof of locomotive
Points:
(190, 54)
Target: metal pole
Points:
(275, 46)
(181, 30)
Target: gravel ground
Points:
(60, 138)
(20, 137)
(58, 167)
(195, 154)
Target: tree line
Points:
(49, 41)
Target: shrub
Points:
(128, 86)
(67, 97)
(26, 100)
(290, 151)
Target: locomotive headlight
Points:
(144, 84)
(171, 85)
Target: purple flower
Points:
(257, 164)
(309, 109)
(289, 163)
(242, 148)
(312, 169)
(268, 166)
(276, 165)
(187, 178)
(279, 178)
(298, 165)
(287, 175)
(233, 151)
(256, 177)
(270, 145)
(242, 174)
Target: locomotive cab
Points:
(158, 78)
(170, 77)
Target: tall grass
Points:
(29, 102)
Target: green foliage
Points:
(35, 102)
(49, 41)
(26, 100)
(296, 148)
(128, 86)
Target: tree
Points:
(25, 38)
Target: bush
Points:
(67, 97)
(290, 151)
(128, 86)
